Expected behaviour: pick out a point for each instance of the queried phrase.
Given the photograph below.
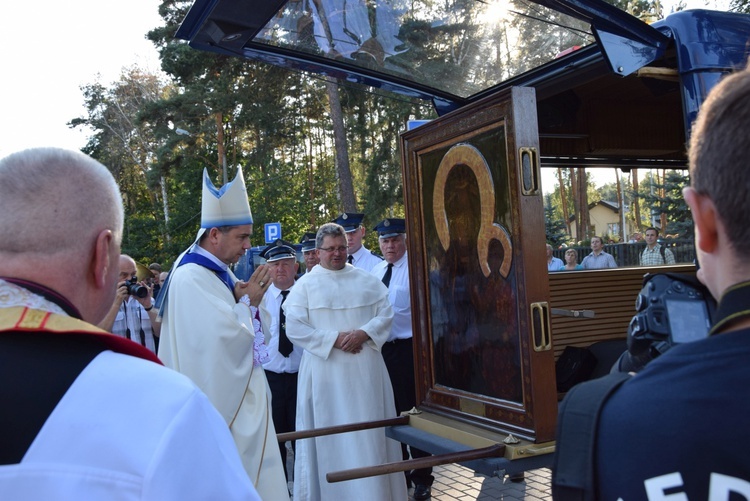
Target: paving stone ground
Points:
(454, 482)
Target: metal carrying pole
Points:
(496, 450)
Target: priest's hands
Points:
(351, 341)
(255, 287)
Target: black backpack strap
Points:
(577, 422)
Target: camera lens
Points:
(137, 290)
(641, 302)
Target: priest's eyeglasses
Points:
(340, 250)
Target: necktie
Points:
(350, 259)
(285, 346)
(387, 276)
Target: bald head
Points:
(127, 267)
(61, 225)
(59, 200)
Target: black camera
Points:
(134, 289)
(671, 309)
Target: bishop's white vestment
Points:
(209, 337)
(336, 387)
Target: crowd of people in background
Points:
(293, 349)
(655, 253)
(248, 357)
(289, 349)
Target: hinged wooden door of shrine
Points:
(476, 243)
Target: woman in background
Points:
(571, 261)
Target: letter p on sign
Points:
(272, 231)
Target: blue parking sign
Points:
(273, 231)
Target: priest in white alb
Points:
(341, 316)
(211, 331)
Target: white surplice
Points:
(337, 388)
(97, 445)
(209, 337)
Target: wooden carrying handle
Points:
(343, 428)
(496, 450)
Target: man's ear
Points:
(213, 235)
(101, 261)
(705, 219)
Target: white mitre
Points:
(227, 206)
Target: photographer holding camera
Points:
(678, 429)
(132, 314)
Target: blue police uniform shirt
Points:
(364, 259)
(679, 427)
(399, 296)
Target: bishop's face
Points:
(229, 246)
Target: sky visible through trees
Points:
(285, 137)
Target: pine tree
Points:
(554, 227)
(664, 196)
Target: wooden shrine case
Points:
(475, 217)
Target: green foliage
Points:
(128, 148)
(555, 229)
(232, 113)
(608, 192)
(740, 6)
(665, 197)
(277, 126)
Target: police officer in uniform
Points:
(308, 251)
(283, 357)
(398, 351)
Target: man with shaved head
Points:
(87, 414)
